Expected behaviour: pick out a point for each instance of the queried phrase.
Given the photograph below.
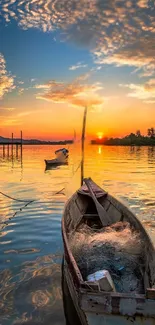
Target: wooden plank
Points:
(103, 215)
(150, 293)
(114, 214)
(115, 303)
(104, 319)
(76, 274)
(74, 294)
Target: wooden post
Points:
(21, 133)
(12, 145)
(3, 150)
(82, 145)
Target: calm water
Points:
(30, 237)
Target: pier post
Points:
(12, 146)
(3, 150)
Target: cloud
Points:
(145, 91)
(149, 101)
(6, 80)
(138, 54)
(10, 121)
(20, 82)
(25, 113)
(117, 32)
(79, 65)
(20, 91)
(6, 111)
(77, 93)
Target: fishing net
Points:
(117, 248)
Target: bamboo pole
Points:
(82, 145)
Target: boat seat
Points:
(90, 215)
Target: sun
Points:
(100, 135)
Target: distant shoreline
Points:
(122, 145)
(36, 144)
(131, 140)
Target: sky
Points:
(58, 56)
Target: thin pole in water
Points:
(82, 146)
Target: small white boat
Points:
(61, 158)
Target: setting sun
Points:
(100, 135)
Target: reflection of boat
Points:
(95, 209)
(61, 158)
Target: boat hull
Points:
(92, 305)
(82, 316)
(52, 164)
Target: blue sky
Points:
(58, 56)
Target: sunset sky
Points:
(56, 56)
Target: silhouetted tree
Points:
(151, 133)
(138, 133)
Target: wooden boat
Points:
(55, 162)
(84, 302)
(61, 159)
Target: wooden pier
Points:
(11, 146)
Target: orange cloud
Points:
(145, 92)
(75, 93)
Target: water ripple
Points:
(30, 237)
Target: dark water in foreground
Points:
(30, 237)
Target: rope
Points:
(26, 204)
(14, 199)
(29, 201)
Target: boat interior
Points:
(83, 209)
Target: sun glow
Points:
(100, 135)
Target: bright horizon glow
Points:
(100, 135)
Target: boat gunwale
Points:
(115, 303)
(84, 286)
(77, 276)
(106, 303)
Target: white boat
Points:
(61, 158)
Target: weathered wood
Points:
(115, 303)
(150, 293)
(77, 277)
(90, 215)
(104, 217)
(114, 214)
(99, 192)
(89, 299)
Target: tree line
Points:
(131, 139)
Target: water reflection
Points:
(33, 293)
(151, 155)
(99, 150)
(30, 269)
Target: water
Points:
(30, 237)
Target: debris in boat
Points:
(116, 248)
(104, 280)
